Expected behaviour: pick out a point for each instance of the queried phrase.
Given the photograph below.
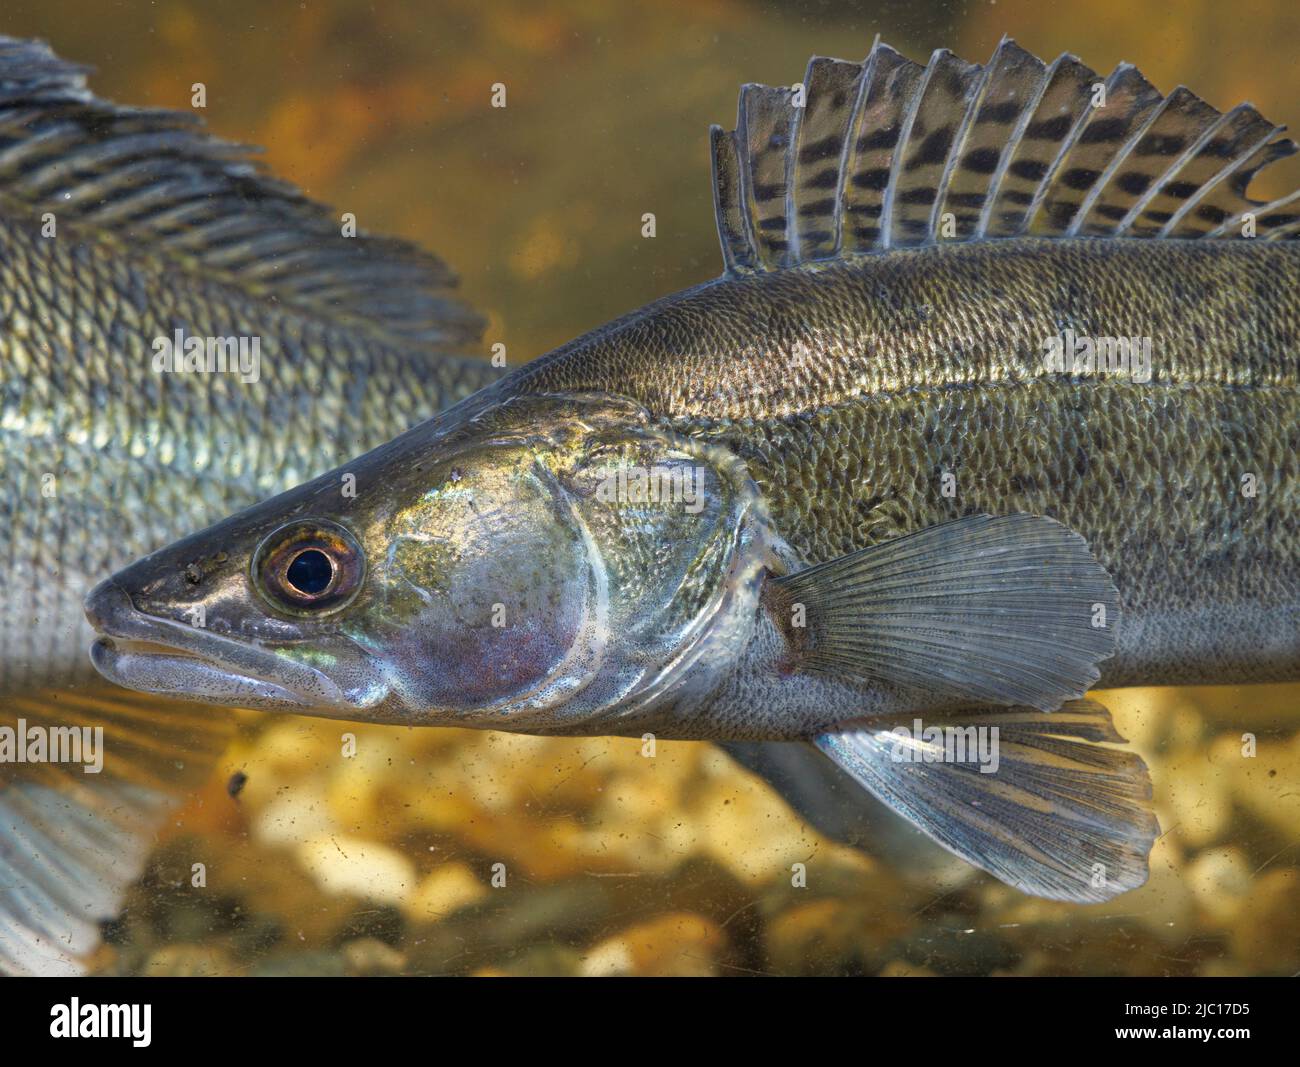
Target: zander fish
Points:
(995, 401)
(133, 246)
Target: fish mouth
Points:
(156, 655)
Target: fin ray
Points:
(937, 122)
(1005, 610)
(156, 178)
(70, 842)
(1060, 816)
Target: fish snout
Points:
(107, 606)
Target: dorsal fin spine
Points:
(959, 141)
(1223, 175)
(1262, 211)
(1223, 121)
(1287, 231)
(724, 164)
(1009, 149)
(1108, 172)
(1067, 146)
(904, 136)
(850, 137)
(791, 255)
(846, 151)
(744, 177)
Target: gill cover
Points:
(567, 558)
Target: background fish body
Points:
(106, 458)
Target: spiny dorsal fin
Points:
(156, 179)
(935, 122)
(887, 153)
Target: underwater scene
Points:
(603, 673)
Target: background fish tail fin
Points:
(72, 840)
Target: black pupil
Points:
(310, 572)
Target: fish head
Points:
(544, 564)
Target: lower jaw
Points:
(146, 669)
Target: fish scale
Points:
(847, 404)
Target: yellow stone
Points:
(442, 891)
(355, 866)
(1219, 879)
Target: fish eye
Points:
(311, 572)
(308, 568)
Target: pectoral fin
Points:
(1035, 800)
(1007, 610)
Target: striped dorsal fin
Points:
(864, 157)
